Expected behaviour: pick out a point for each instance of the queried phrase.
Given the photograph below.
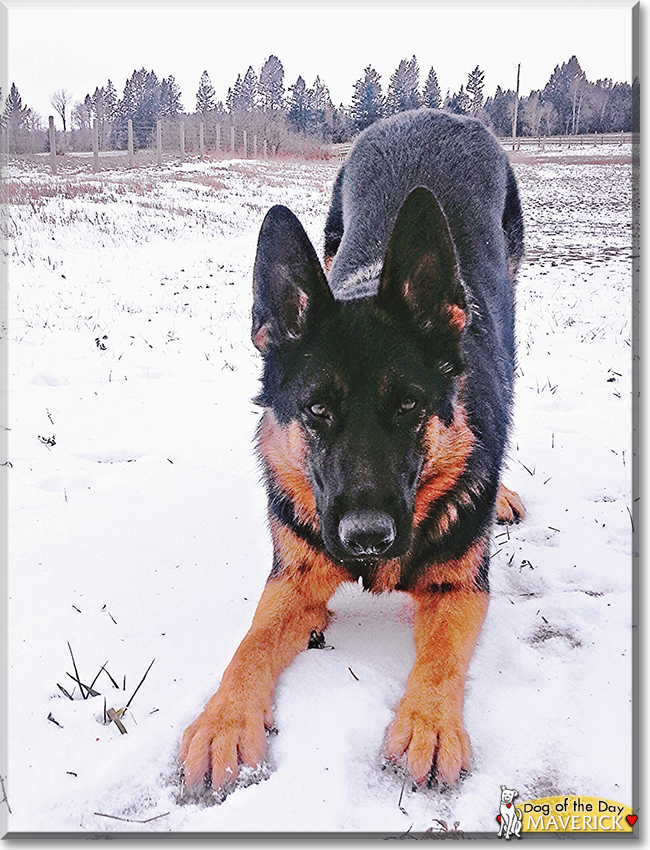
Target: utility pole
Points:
(514, 116)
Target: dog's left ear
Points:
(420, 269)
(288, 281)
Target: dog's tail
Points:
(334, 223)
(513, 223)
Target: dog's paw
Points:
(509, 506)
(229, 733)
(435, 746)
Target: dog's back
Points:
(464, 166)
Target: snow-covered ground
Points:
(137, 529)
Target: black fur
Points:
(426, 233)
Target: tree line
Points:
(286, 116)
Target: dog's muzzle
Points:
(366, 533)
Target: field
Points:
(137, 522)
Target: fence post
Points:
(95, 144)
(52, 145)
(182, 140)
(218, 141)
(201, 132)
(232, 139)
(159, 140)
(265, 150)
(245, 144)
(130, 134)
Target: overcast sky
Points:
(80, 46)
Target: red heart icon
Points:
(631, 819)
(508, 805)
(499, 818)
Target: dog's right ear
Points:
(289, 284)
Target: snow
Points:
(137, 520)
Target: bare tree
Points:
(60, 101)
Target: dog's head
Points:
(368, 387)
(508, 794)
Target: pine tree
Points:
(170, 98)
(271, 84)
(564, 90)
(19, 121)
(233, 99)
(298, 106)
(205, 95)
(431, 93)
(141, 103)
(15, 114)
(499, 110)
(367, 100)
(403, 88)
(475, 90)
(459, 103)
(249, 91)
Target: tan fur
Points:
(428, 721)
(509, 506)
(284, 450)
(447, 451)
(230, 730)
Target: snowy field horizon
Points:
(138, 543)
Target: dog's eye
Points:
(318, 410)
(407, 405)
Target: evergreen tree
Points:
(204, 96)
(459, 103)
(321, 111)
(15, 115)
(499, 111)
(564, 90)
(249, 91)
(475, 90)
(19, 122)
(233, 98)
(367, 100)
(141, 102)
(271, 84)
(170, 98)
(403, 88)
(431, 92)
(298, 106)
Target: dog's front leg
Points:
(231, 729)
(428, 724)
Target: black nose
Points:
(366, 533)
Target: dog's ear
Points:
(420, 270)
(288, 282)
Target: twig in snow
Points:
(399, 802)
(115, 717)
(353, 673)
(5, 799)
(52, 720)
(88, 688)
(142, 680)
(109, 614)
(64, 692)
(528, 470)
(131, 820)
(76, 672)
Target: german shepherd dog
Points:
(387, 391)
